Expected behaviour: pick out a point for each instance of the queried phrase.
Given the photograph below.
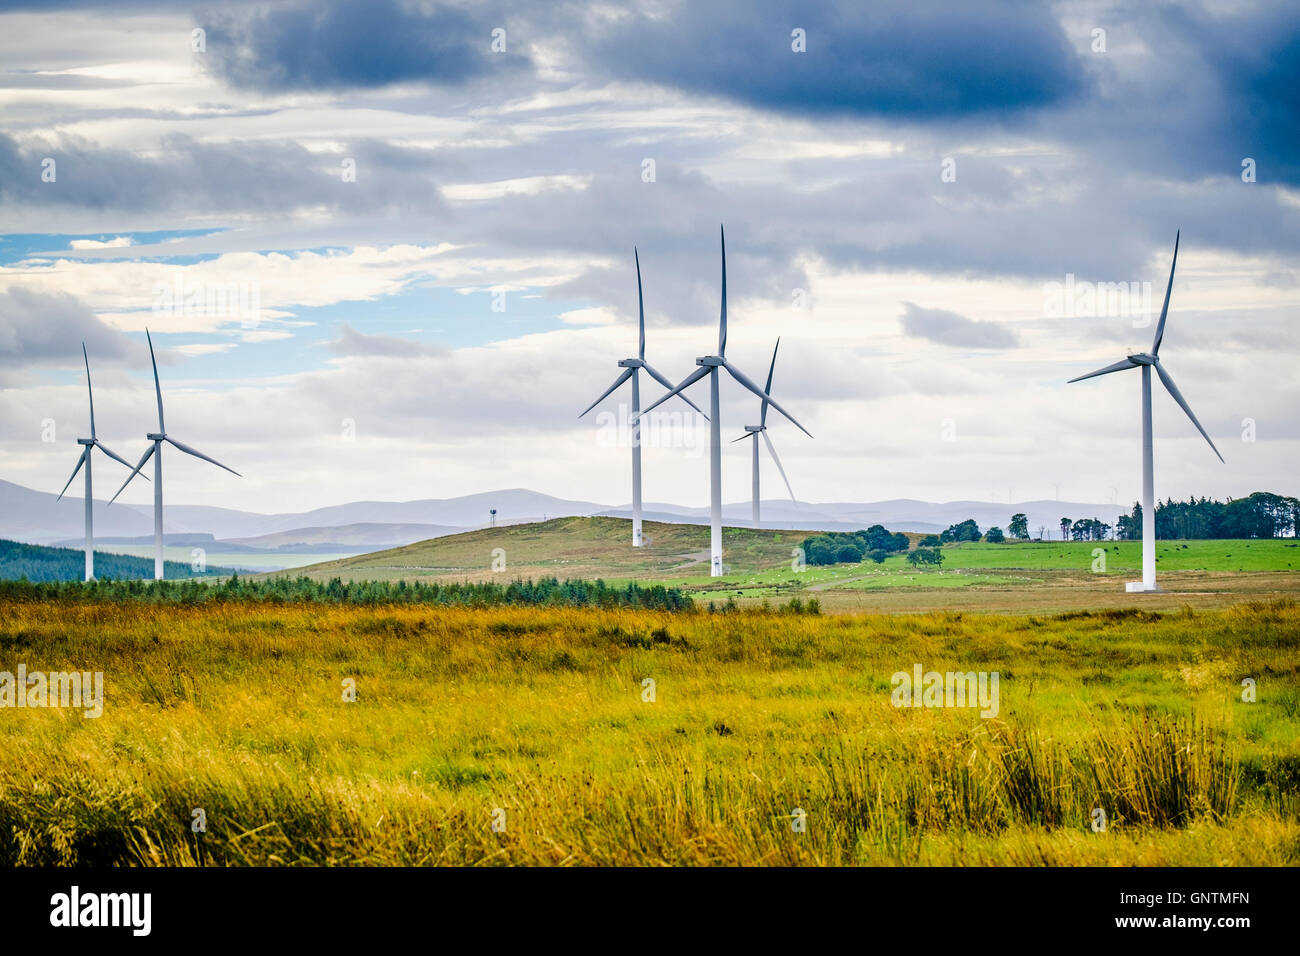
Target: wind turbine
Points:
(709, 365)
(155, 450)
(754, 431)
(1147, 361)
(90, 444)
(631, 371)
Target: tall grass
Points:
(235, 708)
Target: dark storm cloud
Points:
(118, 6)
(1152, 144)
(1188, 91)
(358, 44)
(192, 177)
(949, 328)
(1256, 56)
(915, 61)
(38, 329)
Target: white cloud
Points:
(118, 242)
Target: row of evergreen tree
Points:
(38, 562)
(550, 592)
(1258, 515)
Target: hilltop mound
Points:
(567, 547)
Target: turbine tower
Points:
(155, 450)
(1147, 361)
(709, 365)
(754, 431)
(90, 444)
(631, 371)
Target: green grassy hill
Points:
(1050, 574)
(40, 563)
(569, 547)
(679, 553)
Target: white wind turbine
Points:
(754, 431)
(709, 365)
(90, 444)
(1147, 361)
(155, 450)
(631, 369)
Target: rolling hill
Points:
(567, 547)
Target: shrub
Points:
(927, 556)
(848, 554)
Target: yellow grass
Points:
(238, 710)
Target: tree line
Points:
(38, 562)
(547, 592)
(850, 547)
(1261, 514)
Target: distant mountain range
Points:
(360, 526)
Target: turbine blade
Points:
(762, 418)
(115, 456)
(627, 373)
(156, 387)
(198, 454)
(135, 471)
(1178, 397)
(744, 380)
(89, 390)
(771, 450)
(743, 437)
(1117, 367)
(659, 377)
(722, 322)
(1164, 312)
(640, 303)
(80, 461)
(690, 380)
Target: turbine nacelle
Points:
(1143, 358)
(631, 363)
(755, 429)
(156, 436)
(711, 361)
(85, 441)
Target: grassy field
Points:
(538, 718)
(1276, 554)
(568, 547)
(1050, 577)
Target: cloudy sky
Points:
(385, 249)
